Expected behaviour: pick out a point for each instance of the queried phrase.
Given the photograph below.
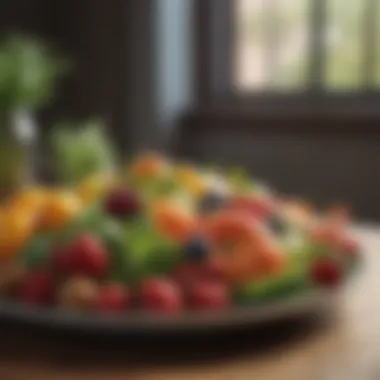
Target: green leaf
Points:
(240, 180)
(81, 150)
(37, 252)
(28, 71)
(149, 252)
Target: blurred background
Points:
(289, 89)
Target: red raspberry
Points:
(326, 272)
(87, 256)
(208, 295)
(37, 288)
(161, 295)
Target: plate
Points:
(144, 323)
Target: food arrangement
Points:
(167, 237)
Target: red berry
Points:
(122, 202)
(161, 295)
(214, 270)
(37, 289)
(87, 256)
(326, 272)
(112, 298)
(208, 295)
(61, 259)
(188, 273)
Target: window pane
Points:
(250, 70)
(345, 44)
(377, 42)
(271, 44)
(292, 28)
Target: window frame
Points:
(214, 62)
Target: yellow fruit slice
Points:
(61, 207)
(148, 166)
(96, 186)
(16, 227)
(191, 180)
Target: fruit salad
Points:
(167, 237)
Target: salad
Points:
(167, 237)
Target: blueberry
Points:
(212, 202)
(196, 249)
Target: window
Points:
(279, 47)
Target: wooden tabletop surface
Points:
(343, 346)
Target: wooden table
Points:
(345, 347)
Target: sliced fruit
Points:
(243, 247)
(148, 166)
(191, 180)
(257, 207)
(61, 208)
(16, 228)
(95, 186)
(28, 201)
(173, 221)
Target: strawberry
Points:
(112, 298)
(161, 295)
(87, 256)
(208, 295)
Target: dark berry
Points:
(212, 202)
(122, 203)
(196, 249)
(326, 272)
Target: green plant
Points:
(28, 72)
(80, 150)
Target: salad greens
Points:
(81, 150)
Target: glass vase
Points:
(17, 142)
